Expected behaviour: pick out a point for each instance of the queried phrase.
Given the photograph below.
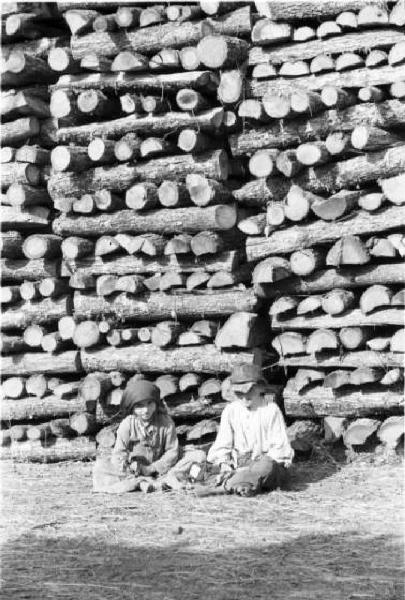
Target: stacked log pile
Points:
(175, 179)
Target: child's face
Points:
(145, 410)
(249, 398)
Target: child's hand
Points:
(225, 471)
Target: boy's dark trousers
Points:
(263, 474)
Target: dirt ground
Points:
(334, 535)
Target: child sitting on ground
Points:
(146, 450)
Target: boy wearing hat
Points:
(252, 447)
(146, 446)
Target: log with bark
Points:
(320, 401)
(37, 408)
(159, 306)
(148, 358)
(356, 78)
(45, 311)
(212, 164)
(367, 358)
(352, 318)
(31, 218)
(328, 279)
(164, 221)
(41, 362)
(209, 120)
(386, 115)
(294, 238)
(54, 449)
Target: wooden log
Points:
(306, 261)
(337, 301)
(106, 244)
(334, 207)
(86, 334)
(311, 304)
(19, 130)
(366, 375)
(23, 196)
(337, 143)
(398, 299)
(11, 344)
(289, 343)
(101, 151)
(22, 315)
(38, 246)
(37, 362)
(322, 340)
(298, 203)
(29, 290)
(221, 51)
(31, 270)
(204, 80)
(266, 32)
(173, 195)
(117, 178)
(242, 330)
(192, 219)
(283, 306)
(275, 215)
(352, 318)
(151, 124)
(258, 192)
(398, 341)
(263, 162)
(154, 146)
(391, 430)
(297, 68)
(33, 335)
(254, 225)
(227, 261)
(385, 115)
(13, 387)
(321, 401)
(313, 153)
(10, 294)
(374, 297)
(179, 244)
(60, 59)
(282, 242)
(15, 172)
(349, 250)
(160, 306)
(11, 244)
(371, 94)
(271, 270)
(80, 21)
(53, 450)
(392, 188)
(53, 342)
(148, 358)
(350, 42)
(331, 278)
(356, 78)
(381, 247)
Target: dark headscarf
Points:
(138, 390)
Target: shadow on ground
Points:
(310, 567)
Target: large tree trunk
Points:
(149, 358)
(362, 358)
(357, 78)
(159, 306)
(296, 10)
(312, 234)
(349, 42)
(209, 120)
(41, 362)
(226, 261)
(51, 450)
(295, 131)
(32, 218)
(354, 172)
(352, 318)
(165, 221)
(329, 279)
(118, 178)
(37, 408)
(322, 402)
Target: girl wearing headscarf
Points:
(146, 449)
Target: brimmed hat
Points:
(245, 376)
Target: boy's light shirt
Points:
(259, 430)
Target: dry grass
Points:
(334, 535)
